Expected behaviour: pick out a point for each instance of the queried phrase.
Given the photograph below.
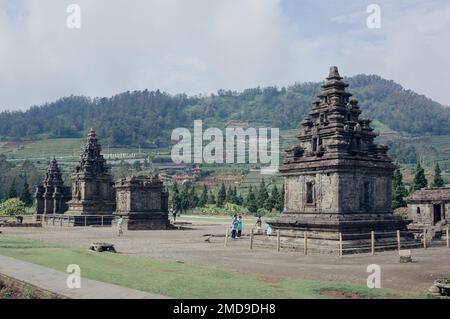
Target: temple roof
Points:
(431, 194)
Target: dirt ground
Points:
(189, 246)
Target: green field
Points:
(176, 280)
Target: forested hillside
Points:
(146, 117)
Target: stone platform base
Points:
(134, 224)
(327, 232)
(155, 220)
(77, 220)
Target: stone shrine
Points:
(92, 186)
(337, 180)
(429, 208)
(52, 196)
(143, 202)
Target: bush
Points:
(227, 210)
(12, 207)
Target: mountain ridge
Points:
(144, 117)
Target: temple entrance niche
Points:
(437, 213)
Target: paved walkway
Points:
(55, 281)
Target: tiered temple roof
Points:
(333, 128)
(92, 162)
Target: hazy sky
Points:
(199, 46)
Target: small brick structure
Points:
(143, 202)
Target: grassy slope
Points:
(174, 279)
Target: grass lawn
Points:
(175, 279)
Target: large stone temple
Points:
(52, 196)
(92, 185)
(337, 180)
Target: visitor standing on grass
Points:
(239, 227)
(120, 223)
(269, 230)
(259, 224)
(234, 227)
(174, 214)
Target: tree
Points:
(420, 181)
(274, 197)
(221, 196)
(437, 180)
(137, 166)
(175, 200)
(26, 196)
(193, 198)
(203, 200)
(399, 191)
(12, 193)
(263, 195)
(251, 202)
(12, 207)
(212, 198)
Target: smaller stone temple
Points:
(429, 208)
(52, 196)
(143, 202)
(92, 187)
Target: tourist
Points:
(174, 214)
(234, 227)
(259, 224)
(120, 223)
(269, 230)
(239, 227)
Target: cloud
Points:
(199, 46)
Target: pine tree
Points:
(420, 181)
(229, 197)
(175, 200)
(212, 198)
(437, 180)
(26, 196)
(221, 196)
(184, 198)
(399, 191)
(12, 193)
(203, 197)
(251, 202)
(272, 202)
(193, 198)
(263, 194)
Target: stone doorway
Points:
(437, 213)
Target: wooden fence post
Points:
(278, 241)
(425, 239)
(372, 241)
(399, 245)
(226, 236)
(252, 234)
(102, 221)
(340, 245)
(305, 244)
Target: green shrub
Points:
(12, 206)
